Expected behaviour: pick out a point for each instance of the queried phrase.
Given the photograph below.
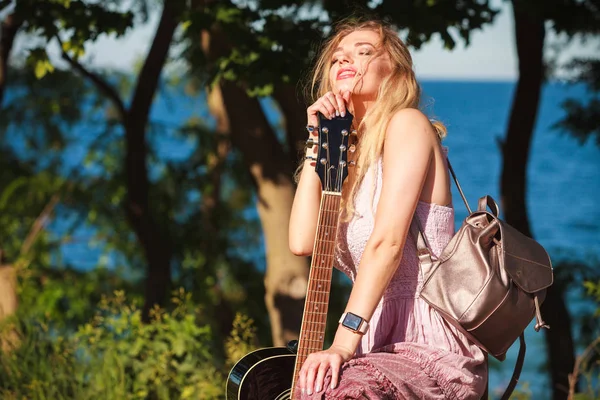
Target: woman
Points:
(408, 351)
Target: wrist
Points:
(346, 352)
(354, 323)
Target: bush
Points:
(587, 365)
(117, 356)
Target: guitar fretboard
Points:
(314, 320)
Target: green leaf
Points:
(42, 67)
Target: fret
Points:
(320, 291)
(319, 331)
(316, 312)
(333, 212)
(319, 259)
(325, 259)
(317, 294)
(328, 281)
(320, 338)
(318, 302)
(326, 241)
(314, 294)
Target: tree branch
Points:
(97, 80)
(153, 238)
(39, 224)
(147, 80)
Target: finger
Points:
(331, 98)
(341, 105)
(312, 118)
(335, 374)
(302, 377)
(346, 95)
(310, 377)
(327, 112)
(329, 106)
(321, 376)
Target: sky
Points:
(490, 56)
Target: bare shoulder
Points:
(410, 124)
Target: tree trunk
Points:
(153, 238)
(530, 33)
(286, 275)
(8, 306)
(271, 169)
(8, 31)
(212, 200)
(294, 111)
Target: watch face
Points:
(352, 321)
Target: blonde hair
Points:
(397, 91)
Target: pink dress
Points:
(409, 351)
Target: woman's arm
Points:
(305, 209)
(408, 151)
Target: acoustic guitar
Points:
(271, 373)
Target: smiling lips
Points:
(346, 73)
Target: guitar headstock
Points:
(332, 154)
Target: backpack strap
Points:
(517, 371)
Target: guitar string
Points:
(304, 342)
(322, 266)
(323, 271)
(316, 321)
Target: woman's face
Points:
(359, 64)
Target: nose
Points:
(345, 58)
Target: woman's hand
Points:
(329, 105)
(314, 369)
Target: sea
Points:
(563, 179)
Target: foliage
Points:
(116, 356)
(52, 108)
(272, 42)
(582, 115)
(242, 340)
(587, 365)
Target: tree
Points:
(245, 60)
(267, 49)
(531, 18)
(87, 22)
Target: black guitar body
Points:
(264, 374)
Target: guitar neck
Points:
(314, 320)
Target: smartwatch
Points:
(354, 323)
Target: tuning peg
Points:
(323, 161)
(325, 145)
(342, 147)
(352, 163)
(325, 130)
(310, 142)
(342, 163)
(354, 133)
(344, 132)
(352, 148)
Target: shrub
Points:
(117, 356)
